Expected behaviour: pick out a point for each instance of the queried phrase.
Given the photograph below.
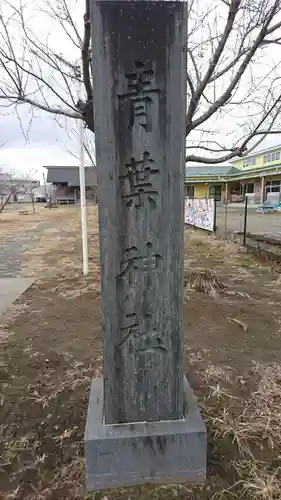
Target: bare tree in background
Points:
(7, 189)
(9, 184)
(233, 77)
(233, 69)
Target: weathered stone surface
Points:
(140, 429)
(139, 84)
(144, 452)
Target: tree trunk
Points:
(5, 203)
(32, 200)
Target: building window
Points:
(250, 188)
(271, 157)
(249, 161)
(273, 186)
(215, 192)
(189, 191)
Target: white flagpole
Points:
(83, 205)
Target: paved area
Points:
(11, 256)
(10, 290)
(233, 220)
(12, 283)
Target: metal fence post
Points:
(245, 220)
(225, 220)
(215, 215)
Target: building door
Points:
(273, 190)
(189, 191)
(215, 192)
(250, 188)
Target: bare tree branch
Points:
(87, 107)
(242, 149)
(268, 132)
(233, 9)
(55, 111)
(212, 160)
(228, 92)
(233, 75)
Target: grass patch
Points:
(52, 349)
(203, 281)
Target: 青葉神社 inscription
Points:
(140, 93)
(138, 182)
(139, 72)
(142, 327)
(134, 261)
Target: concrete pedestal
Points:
(117, 455)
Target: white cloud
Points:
(30, 137)
(30, 159)
(29, 146)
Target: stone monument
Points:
(143, 424)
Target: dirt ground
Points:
(51, 345)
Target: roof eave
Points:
(250, 155)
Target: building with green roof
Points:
(257, 176)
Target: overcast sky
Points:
(30, 141)
(45, 143)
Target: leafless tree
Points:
(72, 132)
(233, 77)
(10, 188)
(7, 189)
(32, 197)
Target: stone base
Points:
(173, 451)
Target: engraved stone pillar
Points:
(138, 426)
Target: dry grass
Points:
(261, 484)
(249, 429)
(45, 460)
(42, 258)
(203, 281)
(209, 242)
(243, 433)
(13, 313)
(245, 438)
(70, 475)
(214, 373)
(11, 220)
